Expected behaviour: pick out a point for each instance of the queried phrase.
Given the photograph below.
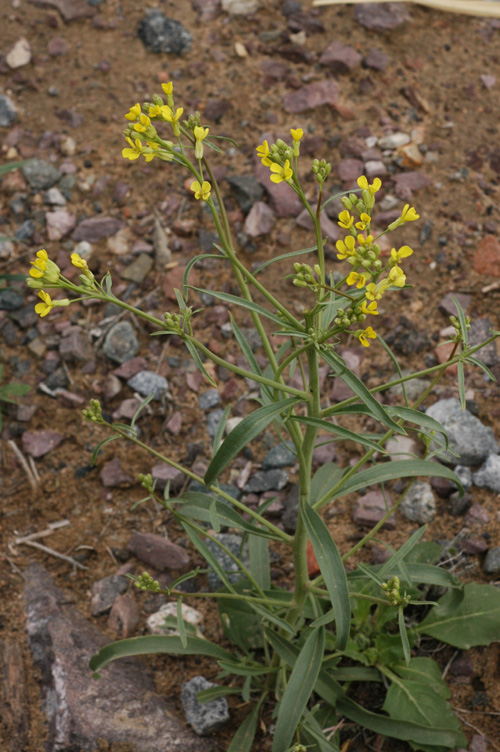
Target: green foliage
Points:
(8, 392)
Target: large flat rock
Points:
(120, 707)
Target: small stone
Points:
(120, 343)
(111, 387)
(139, 269)
(10, 300)
(240, 7)
(206, 717)
(381, 17)
(462, 666)
(40, 174)
(477, 515)
(124, 616)
(158, 552)
(311, 96)
(349, 170)
(474, 546)
(25, 231)
(277, 457)
(161, 34)
(97, 228)
(163, 474)
(468, 437)
(232, 542)
(375, 168)
(19, 54)
(260, 220)
(376, 59)
(410, 156)
(215, 109)
(75, 346)
(267, 480)
(394, 140)
(246, 189)
(127, 409)
(407, 182)
(174, 425)
(113, 476)
(291, 513)
(54, 197)
(57, 46)
(489, 474)
(208, 9)
(213, 420)
(340, 58)
(402, 448)
(370, 509)
(39, 443)
(156, 622)
(8, 112)
(209, 399)
(492, 562)
(130, 367)
(106, 591)
(448, 307)
(59, 223)
(148, 382)
(488, 80)
(419, 503)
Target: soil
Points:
(432, 83)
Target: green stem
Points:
(237, 596)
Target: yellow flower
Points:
(356, 279)
(345, 220)
(78, 261)
(375, 291)
(364, 336)
(199, 134)
(403, 252)
(365, 241)
(345, 247)
(201, 191)
(168, 88)
(169, 115)
(134, 112)
(373, 188)
(281, 173)
(409, 214)
(397, 277)
(370, 308)
(39, 264)
(144, 124)
(263, 152)
(135, 151)
(46, 306)
(297, 133)
(154, 110)
(365, 221)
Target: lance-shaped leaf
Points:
(342, 433)
(249, 428)
(242, 741)
(242, 303)
(332, 569)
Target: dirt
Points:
(432, 83)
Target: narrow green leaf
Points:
(249, 428)
(207, 555)
(240, 669)
(482, 366)
(12, 166)
(283, 256)
(181, 627)
(260, 565)
(395, 364)
(357, 386)
(461, 320)
(267, 614)
(196, 357)
(332, 569)
(461, 384)
(327, 476)
(141, 407)
(155, 644)
(339, 431)
(398, 556)
(298, 690)
(339, 195)
(242, 741)
(250, 357)
(420, 419)
(425, 574)
(98, 448)
(220, 429)
(213, 693)
(214, 518)
(403, 635)
(242, 303)
(190, 265)
(197, 507)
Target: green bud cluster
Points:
(321, 169)
(93, 412)
(456, 324)
(391, 588)
(173, 322)
(304, 275)
(192, 122)
(146, 481)
(348, 316)
(146, 582)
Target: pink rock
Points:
(374, 168)
(163, 473)
(112, 475)
(474, 546)
(370, 509)
(381, 17)
(340, 58)
(350, 170)
(193, 380)
(215, 109)
(376, 59)
(208, 10)
(174, 425)
(324, 454)
(57, 46)
(260, 220)
(59, 223)
(111, 387)
(408, 182)
(75, 346)
(488, 80)
(487, 258)
(477, 515)
(97, 228)
(329, 228)
(127, 409)
(131, 367)
(311, 96)
(158, 552)
(124, 616)
(40, 443)
(24, 413)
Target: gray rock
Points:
(488, 476)
(457, 504)
(10, 300)
(492, 562)
(267, 480)
(120, 343)
(279, 456)
(106, 591)
(206, 717)
(121, 708)
(381, 17)
(161, 34)
(465, 475)
(479, 331)
(233, 543)
(209, 399)
(147, 382)
(419, 504)
(8, 112)
(139, 269)
(468, 437)
(291, 513)
(97, 228)
(40, 174)
(213, 420)
(25, 231)
(157, 551)
(246, 189)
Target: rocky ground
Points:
(408, 95)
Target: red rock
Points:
(158, 552)
(57, 46)
(131, 367)
(340, 58)
(349, 170)
(112, 475)
(174, 425)
(97, 228)
(40, 443)
(370, 509)
(487, 258)
(124, 616)
(376, 59)
(443, 353)
(193, 380)
(260, 220)
(311, 96)
(381, 17)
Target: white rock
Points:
(402, 448)
(67, 146)
(156, 622)
(240, 7)
(59, 223)
(394, 140)
(19, 55)
(84, 249)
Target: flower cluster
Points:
(279, 157)
(45, 273)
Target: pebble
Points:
(447, 306)
(375, 168)
(209, 399)
(394, 140)
(158, 552)
(19, 55)
(97, 228)
(266, 480)
(8, 112)
(57, 46)
(381, 17)
(156, 622)
(376, 59)
(488, 476)
(114, 476)
(488, 80)
(215, 109)
(54, 197)
(120, 343)
(477, 515)
(407, 182)
(277, 457)
(106, 591)
(213, 420)
(246, 189)
(468, 437)
(40, 174)
(163, 474)
(26, 230)
(260, 220)
(130, 367)
(139, 269)
(124, 616)
(147, 382)
(349, 170)
(59, 223)
(492, 561)
(340, 58)
(161, 34)
(419, 503)
(39, 443)
(240, 7)
(206, 717)
(233, 543)
(10, 300)
(75, 346)
(480, 331)
(370, 509)
(403, 448)
(311, 96)
(111, 387)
